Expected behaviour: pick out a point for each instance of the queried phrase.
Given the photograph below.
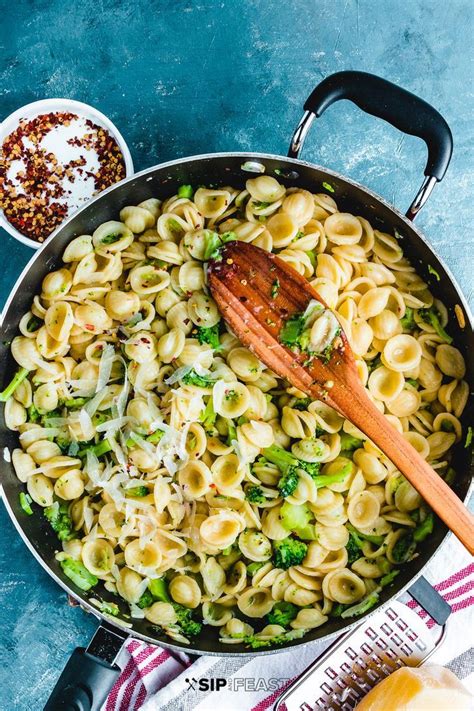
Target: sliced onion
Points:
(92, 406)
(105, 366)
(178, 374)
(122, 398)
(112, 426)
(136, 612)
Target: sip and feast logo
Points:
(234, 684)
(204, 684)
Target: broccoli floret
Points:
(159, 589)
(25, 503)
(188, 626)
(18, 378)
(312, 468)
(253, 567)
(260, 204)
(432, 317)
(155, 437)
(307, 533)
(46, 417)
(373, 364)
(338, 609)
(282, 613)
(388, 578)
(75, 403)
(185, 191)
(214, 242)
(112, 238)
(327, 479)
(302, 403)
(432, 270)
(209, 335)
(208, 416)
(350, 443)
(279, 456)
(403, 548)
(288, 552)
(287, 464)
(98, 449)
(361, 537)
(58, 516)
(73, 449)
(288, 483)
(256, 642)
(408, 321)
(109, 608)
(292, 330)
(99, 418)
(231, 433)
(424, 529)
(255, 495)
(294, 516)
(363, 606)
(384, 565)
(294, 333)
(146, 600)
(138, 491)
(78, 573)
(33, 324)
(63, 443)
(353, 549)
(200, 381)
(310, 253)
(33, 414)
(469, 436)
(212, 246)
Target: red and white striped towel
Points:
(154, 679)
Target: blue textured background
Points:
(180, 78)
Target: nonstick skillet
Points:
(90, 673)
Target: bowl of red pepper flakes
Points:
(55, 155)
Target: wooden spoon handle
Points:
(434, 490)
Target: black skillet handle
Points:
(390, 102)
(89, 674)
(430, 600)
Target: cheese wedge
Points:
(427, 688)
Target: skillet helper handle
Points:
(84, 683)
(89, 674)
(430, 600)
(381, 98)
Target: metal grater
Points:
(391, 638)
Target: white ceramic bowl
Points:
(46, 106)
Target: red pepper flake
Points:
(35, 207)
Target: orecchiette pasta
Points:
(181, 472)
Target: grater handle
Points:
(430, 600)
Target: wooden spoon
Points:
(257, 293)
